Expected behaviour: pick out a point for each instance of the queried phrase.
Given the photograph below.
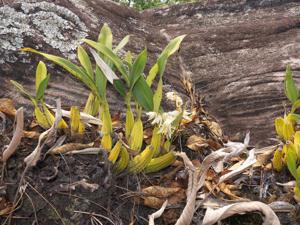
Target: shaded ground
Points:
(49, 198)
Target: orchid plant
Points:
(127, 75)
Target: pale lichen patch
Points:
(57, 26)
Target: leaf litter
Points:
(208, 184)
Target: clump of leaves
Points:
(289, 152)
(43, 115)
(127, 76)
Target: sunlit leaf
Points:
(152, 74)
(40, 74)
(291, 160)
(122, 44)
(105, 36)
(157, 96)
(85, 61)
(75, 70)
(295, 106)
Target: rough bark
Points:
(236, 50)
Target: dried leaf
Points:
(213, 216)
(158, 213)
(245, 165)
(7, 106)
(226, 189)
(70, 147)
(46, 137)
(196, 142)
(18, 134)
(160, 192)
(31, 134)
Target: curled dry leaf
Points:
(213, 216)
(7, 107)
(196, 142)
(15, 141)
(69, 147)
(47, 136)
(245, 165)
(214, 127)
(160, 192)
(154, 196)
(158, 213)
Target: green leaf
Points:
(158, 96)
(152, 74)
(295, 106)
(100, 81)
(161, 63)
(291, 161)
(298, 174)
(291, 90)
(122, 44)
(111, 56)
(85, 61)
(143, 94)
(294, 117)
(105, 36)
(40, 74)
(173, 46)
(120, 87)
(40, 92)
(21, 89)
(75, 70)
(138, 68)
(109, 74)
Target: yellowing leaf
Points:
(297, 143)
(277, 160)
(40, 75)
